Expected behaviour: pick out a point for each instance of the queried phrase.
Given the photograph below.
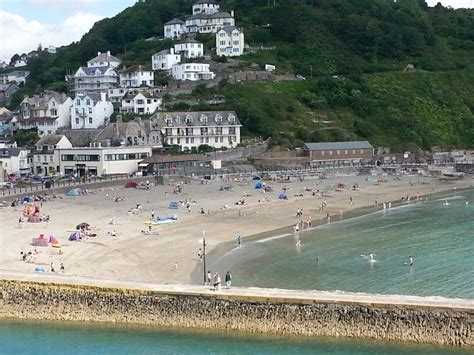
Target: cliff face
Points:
(29, 300)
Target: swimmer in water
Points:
(410, 261)
(298, 243)
(446, 203)
(371, 256)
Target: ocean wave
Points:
(264, 240)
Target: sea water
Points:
(438, 234)
(51, 338)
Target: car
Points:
(301, 77)
(256, 178)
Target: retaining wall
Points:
(230, 310)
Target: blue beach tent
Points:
(73, 192)
(258, 185)
(282, 196)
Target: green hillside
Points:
(352, 53)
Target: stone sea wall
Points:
(436, 325)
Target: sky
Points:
(24, 24)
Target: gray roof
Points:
(198, 118)
(134, 68)
(92, 70)
(9, 152)
(163, 52)
(208, 16)
(199, 2)
(50, 139)
(18, 73)
(104, 57)
(229, 29)
(339, 145)
(175, 21)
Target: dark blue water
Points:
(18, 337)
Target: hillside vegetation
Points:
(352, 53)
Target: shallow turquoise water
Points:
(18, 337)
(439, 236)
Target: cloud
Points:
(19, 35)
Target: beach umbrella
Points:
(53, 240)
(82, 225)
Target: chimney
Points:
(108, 53)
(98, 53)
(232, 13)
(103, 96)
(171, 50)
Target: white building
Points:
(90, 111)
(230, 42)
(209, 23)
(21, 61)
(46, 155)
(51, 49)
(136, 76)
(104, 60)
(98, 161)
(115, 96)
(173, 29)
(190, 48)
(165, 59)
(191, 129)
(140, 103)
(192, 71)
(15, 161)
(205, 6)
(47, 112)
(17, 76)
(93, 80)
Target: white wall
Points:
(165, 61)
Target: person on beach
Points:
(152, 214)
(52, 267)
(217, 281)
(62, 268)
(200, 254)
(239, 240)
(209, 277)
(228, 279)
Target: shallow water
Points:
(20, 337)
(439, 234)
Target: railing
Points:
(30, 187)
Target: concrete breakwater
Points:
(248, 310)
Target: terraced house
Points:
(47, 112)
(191, 129)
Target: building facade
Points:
(15, 161)
(191, 129)
(165, 59)
(229, 42)
(209, 23)
(190, 48)
(140, 103)
(46, 154)
(6, 92)
(90, 111)
(16, 76)
(192, 72)
(104, 60)
(47, 112)
(136, 76)
(339, 151)
(99, 161)
(173, 29)
(205, 7)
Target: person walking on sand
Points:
(52, 267)
(209, 277)
(200, 254)
(217, 281)
(228, 279)
(62, 268)
(152, 215)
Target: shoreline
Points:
(227, 246)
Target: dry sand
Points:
(133, 256)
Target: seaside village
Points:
(88, 156)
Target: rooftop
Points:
(50, 139)
(175, 21)
(339, 145)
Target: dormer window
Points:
(168, 120)
(203, 119)
(218, 118)
(231, 118)
(189, 119)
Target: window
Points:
(353, 151)
(90, 110)
(78, 102)
(88, 102)
(192, 139)
(222, 43)
(54, 112)
(232, 130)
(140, 102)
(216, 139)
(236, 43)
(362, 151)
(322, 152)
(338, 152)
(51, 158)
(346, 152)
(90, 120)
(77, 120)
(330, 152)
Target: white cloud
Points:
(19, 35)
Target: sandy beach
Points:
(169, 253)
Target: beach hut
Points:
(73, 192)
(131, 185)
